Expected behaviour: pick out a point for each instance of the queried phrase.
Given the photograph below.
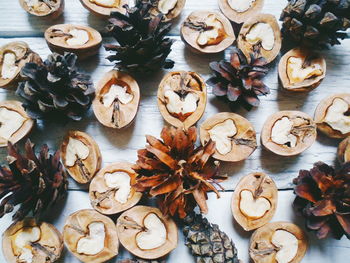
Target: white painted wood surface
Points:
(115, 145)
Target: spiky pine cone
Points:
(323, 198)
(34, 182)
(207, 242)
(315, 23)
(142, 46)
(177, 172)
(239, 80)
(56, 89)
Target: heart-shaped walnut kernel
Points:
(182, 98)
(238, 11)
(90, 236)
(30, 241)
(254, 201)
(146, 233)
(104, 7)
(278, 242)
(42, 8)
(170, 8)
(111, 190)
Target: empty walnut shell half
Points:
(15, 124)
(13, 56)
(46, 9)
(83, 41)
(31, 241)
(111, 190)
(170, 8)
(234, 136)
(90, 236)
(81, 156)
(239, 11)
(278, 242)
(146, 233)
(332, 116)
(344, 151)
(207, 32)
(104, 8)
(301, 70)
(182, 98)
(288, 133)
(117, 99)
(254, 201)
(260, 35)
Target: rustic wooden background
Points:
(120, 145)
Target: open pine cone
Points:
(56, 88)
(142, 46)
(239, 80)
(323, 198)
(177, 172)
(33, 182)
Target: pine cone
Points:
(179, 174)
(207, 243)
(56, 89)
(315, 23)
(239, 80)
(323, 198)
(142, 46)
(33, 182)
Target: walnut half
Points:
(104, 8)
(238, 11)
(50, 9)
(170, 8)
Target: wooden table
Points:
(115, 145)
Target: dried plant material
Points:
(343, 152)
(280, 242)
(207, 32)
(83, 41)
(111, 190)
(30, 241)
(260, 34)
(254, 201)
(117, 99)
(234, 136)
(104, 7)
(301, 70)
(171, 9)
(332, 116)
(182, 98)
(90, 236)
(13, 56)
(288, 133)
(146, 233)
(81, 156)
(238, 11)
(50, 9)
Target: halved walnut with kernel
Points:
(260, 35)
(234, 136)
(207, 32)
(170, 8)
(43, 8)
(238, 11)
(111, 190)
(31, 241)
(278, 242)
(117, 99)
(83, 41)
(182, 98)
(90, 236)
(146, 233)
(254, 201)
(104, 7)
(288, 133)
(81, 156)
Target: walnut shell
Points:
(76, 227)
(261, 249)
(23, 55)
(47, 249)
(195, 84)
(243, 143)
(83, 170)
(103, 11)
(343, 152)
(57, 35)
(47, 9)
(118, 115)
(307, 84)
(240, 17)
(248, 48)
(128, 226)
(100, 193)
(305, 132)
(261, 185)
(189, 35)
(174, 13)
